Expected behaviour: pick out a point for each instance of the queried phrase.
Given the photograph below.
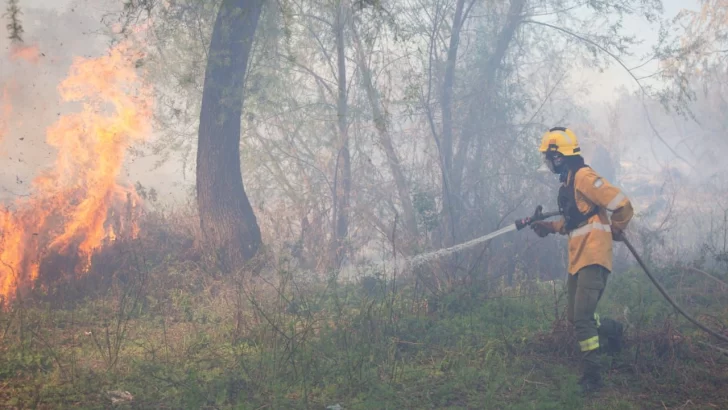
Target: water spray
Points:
(539, 215)
(519, 224)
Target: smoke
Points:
(29, 76)
(54, 34)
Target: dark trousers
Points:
(585, 289)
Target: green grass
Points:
(233, 347)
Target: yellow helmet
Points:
(561, 140)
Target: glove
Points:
(617, 234)
(542, 228)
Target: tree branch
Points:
(631, 74)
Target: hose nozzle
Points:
(538, 215)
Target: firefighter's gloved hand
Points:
(542, 228)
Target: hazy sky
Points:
(604, 84)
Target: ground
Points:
(186, 339)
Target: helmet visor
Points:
(548, 161)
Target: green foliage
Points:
(310, 343)
(426, 209)
(18, 360)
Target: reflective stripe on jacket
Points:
(591, 243)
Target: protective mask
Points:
(555, 163)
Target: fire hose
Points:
(662, 290)
(539, 216)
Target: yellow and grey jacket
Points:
(591, 242)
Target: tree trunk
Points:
(342, 184)
(380, 122)
(483, 100)
(446, 143)
(226, 216)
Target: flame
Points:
(112, 234)
(20, 51)
(69, 210)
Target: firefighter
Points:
(585, 201)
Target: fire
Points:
(72, 203)
(20, 51)
(112, 234)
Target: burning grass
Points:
(77, 206)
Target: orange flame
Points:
(70, 207)
(20, 51)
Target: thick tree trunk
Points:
(342, 187)
(226, 216)
(380, 122)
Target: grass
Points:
(186, 340)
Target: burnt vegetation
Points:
(14, 25)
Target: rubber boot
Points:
(591, 379)
(611, 336)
